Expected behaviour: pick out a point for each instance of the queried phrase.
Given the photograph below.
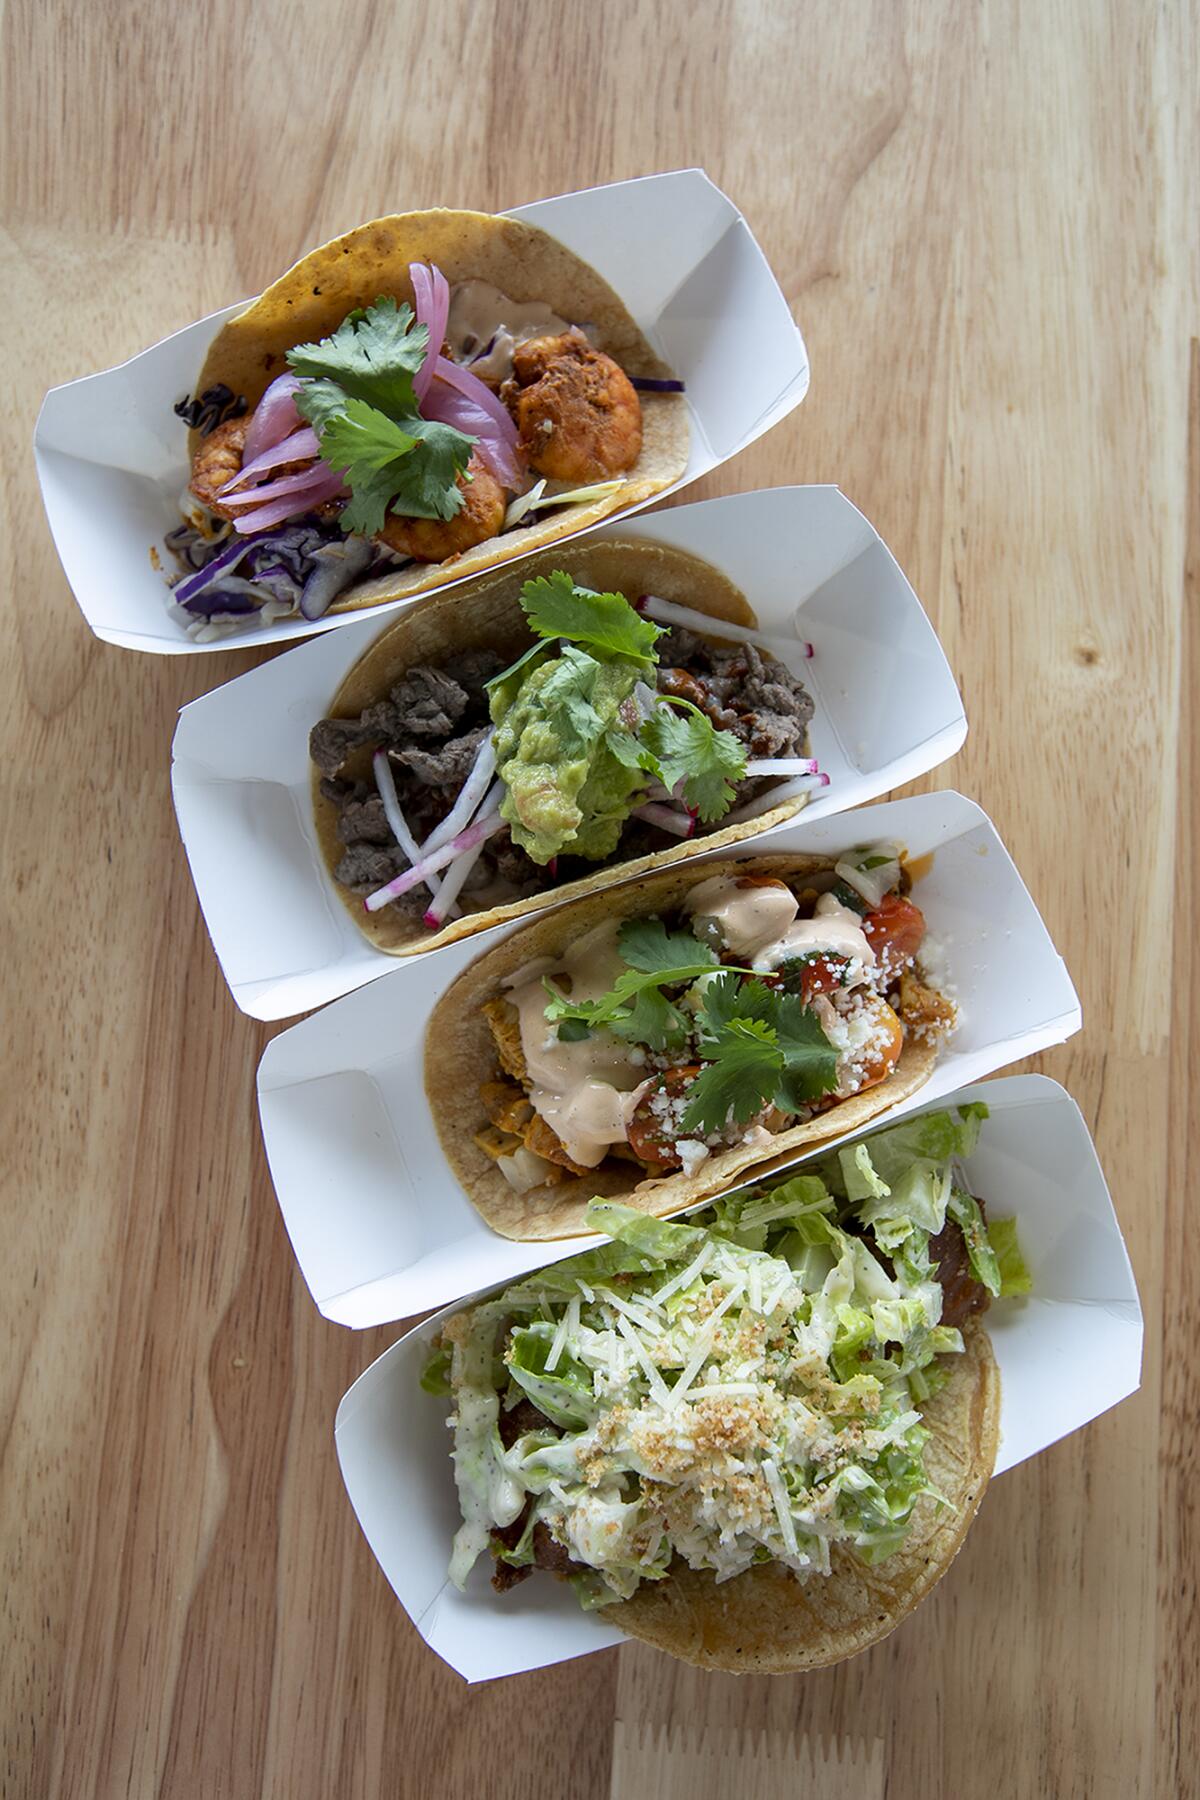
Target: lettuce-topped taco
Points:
(652, 1043)
(430, 395)
(601, 712)
(756, 1437)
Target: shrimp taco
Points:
(756, 1438)
(601, 712)
(652, 1043)
(430, 395)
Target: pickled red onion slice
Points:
(431, 292)
(275, 417)
(301, 446)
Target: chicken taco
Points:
(591, 716)
(430, 395)
(652, 1043)
(756, 1439)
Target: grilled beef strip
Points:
(963, 1297)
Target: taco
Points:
(652, 1043)
(756, 1438)
(539, 736)
(428, 396)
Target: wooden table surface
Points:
(983, 216)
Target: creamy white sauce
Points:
(480, 313)
(747, 913)
(834, 928)
(597, 1524)
(585, 1090)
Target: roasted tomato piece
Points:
(894, 930)
(808, 976)
(649, 1138)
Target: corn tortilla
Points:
(313, 298)
(766, 1622)
(488, 616)
(460, 1055)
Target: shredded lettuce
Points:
(565, 1396)
(794, 1325)
(1014, 1275)
(435, 1376)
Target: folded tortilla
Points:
(768, 1622)
(312, 299)
(488, 615)
(460, 1055)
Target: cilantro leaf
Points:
(321, 402)
(376, 454)
(646, 944)
(729, 999)
(430, 487)
(628, 750)
(358, 397)
(566, 698)
(635, 1008)
(653, 1021)
(809, 1059)
(757, 1040)
(557, 608)
(686, 747)
(355, 436)
(740, 1081)
(372, 356)
(616, 1009)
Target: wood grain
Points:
(983, 216)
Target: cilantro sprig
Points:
(685, 750)
(557, 608)
(635, 1008)
(760, 1047)
(677, 745)
(358, 397)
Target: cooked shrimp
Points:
(435, 540)
(577, 411)
(217, 461)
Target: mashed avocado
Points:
(567, 792)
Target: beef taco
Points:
(756, 1439)
(430, 395)
(594, 715)
(652, 1043)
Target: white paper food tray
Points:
(112, 457)
(377, 1218)
(811, 566)
(1066, 1354)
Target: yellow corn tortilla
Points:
(460, 1054)
(766, 1622)
(313, 298)
(488, 616)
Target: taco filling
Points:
(401, 437)
(754, 1007)
(748, 1387)
(472, 785)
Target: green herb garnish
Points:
(358, 397)
(686, 748)
(761, 1047)
(556, 608)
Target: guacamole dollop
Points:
(566, 791)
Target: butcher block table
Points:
(983, 216)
